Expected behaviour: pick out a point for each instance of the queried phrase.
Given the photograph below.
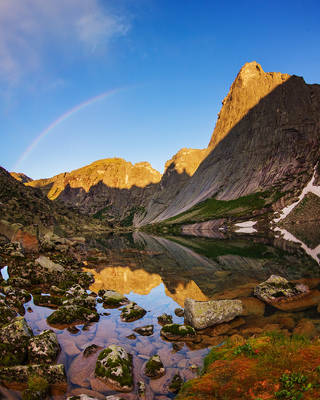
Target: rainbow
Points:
(58, 121)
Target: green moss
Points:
(70, 314)
(49, 301)
(132, 312)
(113, 302)
(179, 330)
(37, 389)
(10, 356)
(154, 366)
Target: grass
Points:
(213, 208)
(272, 366)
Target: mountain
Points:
(265, 144)
(109, 188)
(262, 153)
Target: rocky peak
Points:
(250, 86)
(186, 160)
(19, 176)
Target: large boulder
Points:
(44, 348)
(201, 314)
(114, 367)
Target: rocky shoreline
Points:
(55, 279)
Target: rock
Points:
(114, 367)
(179, 312)
(44, 348)
(146, 330)
(84, 300)
(298, 303)
(112, 298)
(7, 314)
(154, 367)
(70, 314)
(178, 332)
(132, 312)
(277, 288)
(21, 373)
(93, 348)
(49, 265)
(14, 339)
(201, 314)
(81, 397)
(252, 306)
(141, 390)
(131, 337)
(165, 319)
(56, 291)
(47, 301)
(38, 389)
(305, 328)
(176, 383)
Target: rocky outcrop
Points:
(202, 314)
(19, 176)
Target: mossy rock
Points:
(38, 389)
(113, 299)
(43, 348)
(47, 301)
(69, 314)
(114, 367)
(175, 384)
(165, 319)
(22, 373)
(154, 367)
(146, 330)
(132, 312)
(178, 332)
(14, 339)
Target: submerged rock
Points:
(47, 301)
(132, 312)
(114, 367)
(178, 332)
(154, 367)
(14, 339)
(112, 298)
(179, 312)
(44, 348)
(202, 314)
(165, 319)
(38, 389)
(21, 373)
(70, 314)
(88, 351)
(176, 383)
(146, 330)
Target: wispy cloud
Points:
(30, 29)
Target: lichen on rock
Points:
(43, 348)
(202, 314)
(114, 367)
(132, 312)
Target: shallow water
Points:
(159, 274)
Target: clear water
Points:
(159, 274)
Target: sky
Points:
(82, 80)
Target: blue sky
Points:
(169, 62)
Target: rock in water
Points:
(154, 368)
(114, 367)
(44, 348)
(178, 332)
(21, 373)
(70, 314)
(132, 312)
(146, 330)
(277, 288)
(201, 314)
(112, 298)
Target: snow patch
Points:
(246, 227)
(310, 187)
(314, 253)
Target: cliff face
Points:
(21, 177)
(266, 138)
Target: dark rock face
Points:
(266, 137)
